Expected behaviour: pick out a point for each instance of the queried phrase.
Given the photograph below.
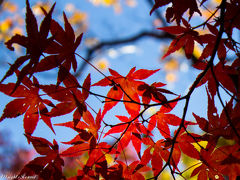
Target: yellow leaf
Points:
(109, 2)
(171, 65)
(109, 159)
(171, 77)
(218, 1)
(152, 110)
(165, 175)
(104, 2)
(9, 6)
(225, 142)
(78, 17)
(102, 64)
(201, 143)
(5, 25)
(197, 51)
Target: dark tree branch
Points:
(159, 36)
(103, 44)
(91, 51)
(1, 1)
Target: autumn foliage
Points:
(50, 46)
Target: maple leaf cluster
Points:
(159, 141)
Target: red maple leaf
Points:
(209, 168)
(133, 170)
(208, 77)
(86, 129)
(36, 42)
(117, 171)
(49, 165)
(185, 39)
(159, 4)
(229, 160)
(163, 119)
(87, 142)
(29, 102)
(158, 152)
(153, 92)
(62, 49)
(80, 144)
(70, 97)
(124, 87)
(232, 16)
(210, 40)
(130, 133)
(224, 74)
(179, 7)
(219, 126)
(184, 144)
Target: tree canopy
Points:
(137, 131)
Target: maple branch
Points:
(1, 1)
(205, 22)
(196, 82)
(133, 38)
(100, 45)
(232, 96)
(172, 172)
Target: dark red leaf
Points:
(35, 43)
(173, 29)
(28, 102)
